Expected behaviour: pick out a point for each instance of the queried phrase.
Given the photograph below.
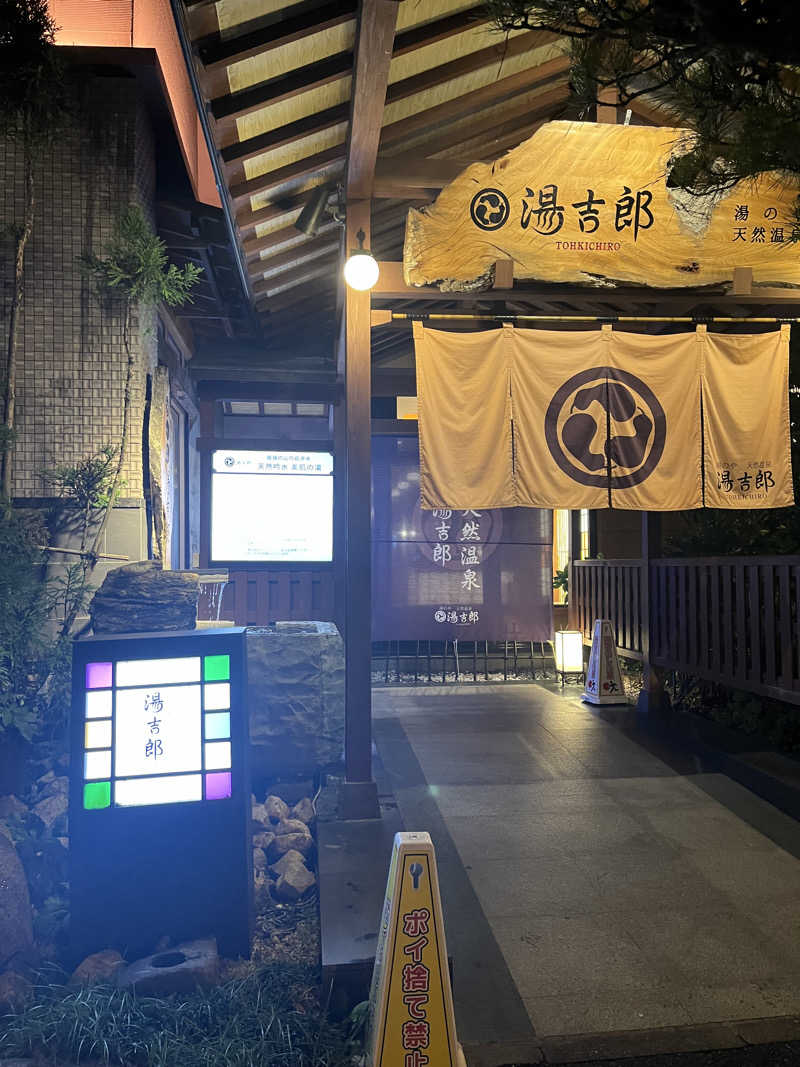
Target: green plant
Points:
(26, 600)
(561, 581)
(270, 1018)
(727, 68)
(134, 272)
(91, 486)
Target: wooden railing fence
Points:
(725, 619)
(253, 598)
(608, 589)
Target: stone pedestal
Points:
(295, 676)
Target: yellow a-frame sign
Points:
(411, 1002)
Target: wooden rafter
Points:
(318, 163)
(293, 24)
(396, 133)
(286, 236)
(230, 106)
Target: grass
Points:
(268, 1018)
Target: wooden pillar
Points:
(653, 697)
(338, 433)
(358, 794)
(208, 414)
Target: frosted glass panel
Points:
(157, 730)
(218, 725)
(140, 791)
(98, 734)
(98, 704)
(217, 696)
(97, 765)
(218, 785)
(98, 675)
(158, 671)
(218, 755)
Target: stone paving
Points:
(594, 881)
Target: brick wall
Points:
(71, 360)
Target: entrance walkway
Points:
(601, 894)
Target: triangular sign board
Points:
(603, 679)
(411, 1002)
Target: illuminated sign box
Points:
(160, 792)
(271, 507)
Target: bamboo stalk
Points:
(78, 552)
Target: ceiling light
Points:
(361, 269)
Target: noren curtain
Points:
(602, 418)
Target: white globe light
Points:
(360, 270)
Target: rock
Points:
(51, 808)
(295, 679)
(262, 897)
(291, 826)
(263, 840)
(277, 810)
(99, 967)
(12, 805)
(56, 787)
(295, 881)
(15, 990)
(141, 597)
(259, 860)
(48, 776)
(45, 864)
(16, 928)
(178, 970)
(304, 811)
(287, 860)
(303, 843)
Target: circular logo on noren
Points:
(489, 209)
(606, 428)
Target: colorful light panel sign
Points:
(157, 731)
(159, 816)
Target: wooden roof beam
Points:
(309, 126)
(418, 84)
(470, 103)
(317, 246)
(330, 159)
(227, 108)
(376, 26)
(290, 236)
(317, 268)
(293, 23)
(320, 300)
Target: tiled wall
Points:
(70, 355)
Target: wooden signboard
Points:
(582, 202)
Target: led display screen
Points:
(157, 731)
(272, 507)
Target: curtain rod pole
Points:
(406, 316)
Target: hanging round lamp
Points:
(361, 269)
